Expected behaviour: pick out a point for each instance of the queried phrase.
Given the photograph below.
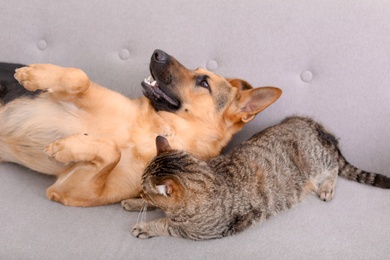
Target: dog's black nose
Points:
(160, 56)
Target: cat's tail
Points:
(351, 172)
(346, 169)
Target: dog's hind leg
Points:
(90, 162)
(62, 83)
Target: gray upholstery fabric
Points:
(331, 58)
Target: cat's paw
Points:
(326, 193)
(136, 204)
(139, 231)
(130, 205)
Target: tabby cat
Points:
(267, 174)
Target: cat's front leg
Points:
(159, 227)
(136, 204)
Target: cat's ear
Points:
(162, 145)
(164, 189)
(253, 101)
(167, 186)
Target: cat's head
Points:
(176, 181)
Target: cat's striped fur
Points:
(269, 173)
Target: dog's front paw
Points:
(140, 231)
(25, 77)
(57, 151)
(62, 150)
(38, 76)
(74, 148)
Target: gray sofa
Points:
(331, 58)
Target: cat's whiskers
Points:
(142, 214)
(145, 209)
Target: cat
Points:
(269, 173)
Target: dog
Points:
(54, 120)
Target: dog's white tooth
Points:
(153, 83)
(150, 78)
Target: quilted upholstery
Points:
(331, 58)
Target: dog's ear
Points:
(162, 145)
(256, 100)
(240, 84)
(253, 101)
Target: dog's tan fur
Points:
(97, 142)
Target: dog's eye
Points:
(204, 84)
(201, 81)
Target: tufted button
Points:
(307, 76)
(124, 54)
(212, 65)
(42, 45)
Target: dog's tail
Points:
(10, 88)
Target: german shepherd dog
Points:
(98, 142)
